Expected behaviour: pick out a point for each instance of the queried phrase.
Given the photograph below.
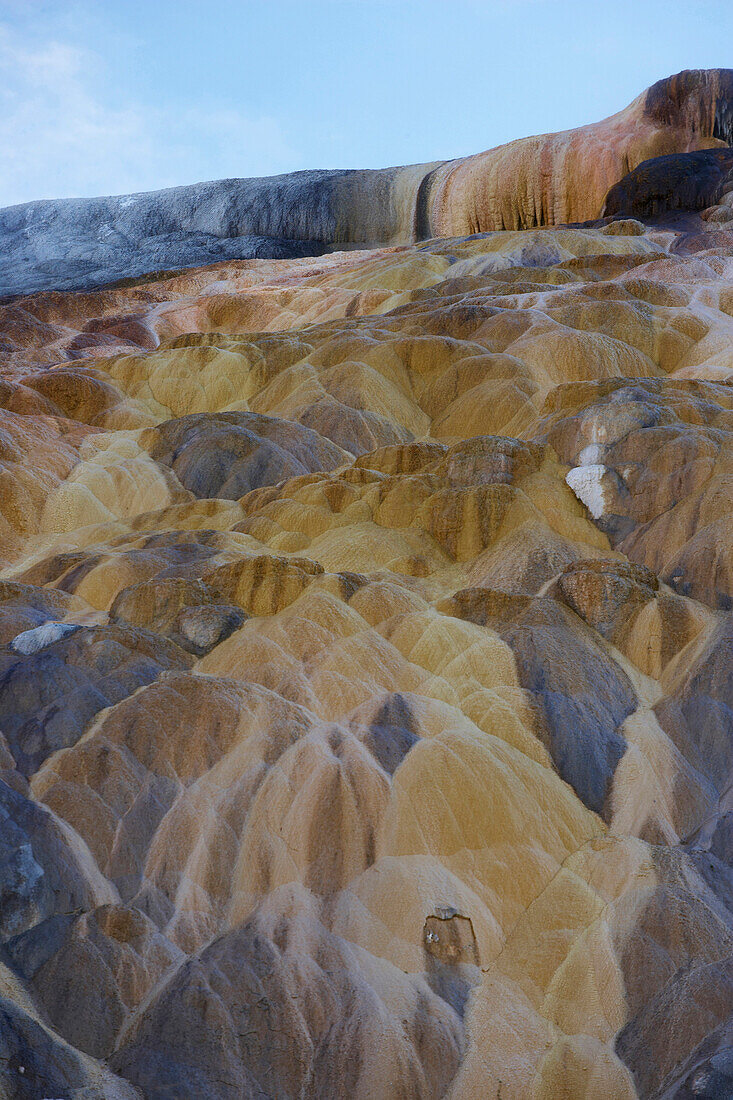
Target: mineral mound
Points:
(366, 635)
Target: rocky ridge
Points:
(547, 180)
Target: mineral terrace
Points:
(366, 629)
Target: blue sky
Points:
(112, 96)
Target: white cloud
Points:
(59, 138)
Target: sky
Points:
(113, 96)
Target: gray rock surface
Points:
(73, 243)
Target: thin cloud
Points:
(60, 139)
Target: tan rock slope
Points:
(366, 694)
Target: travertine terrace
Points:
(547, 180)
(366, 693)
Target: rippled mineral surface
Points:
(366, 668)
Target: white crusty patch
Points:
(591, 455)
(31, 641)
(587, 482)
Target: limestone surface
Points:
(546, 180)
(366, 658)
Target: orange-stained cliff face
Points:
(365, 669)
(559, 178)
